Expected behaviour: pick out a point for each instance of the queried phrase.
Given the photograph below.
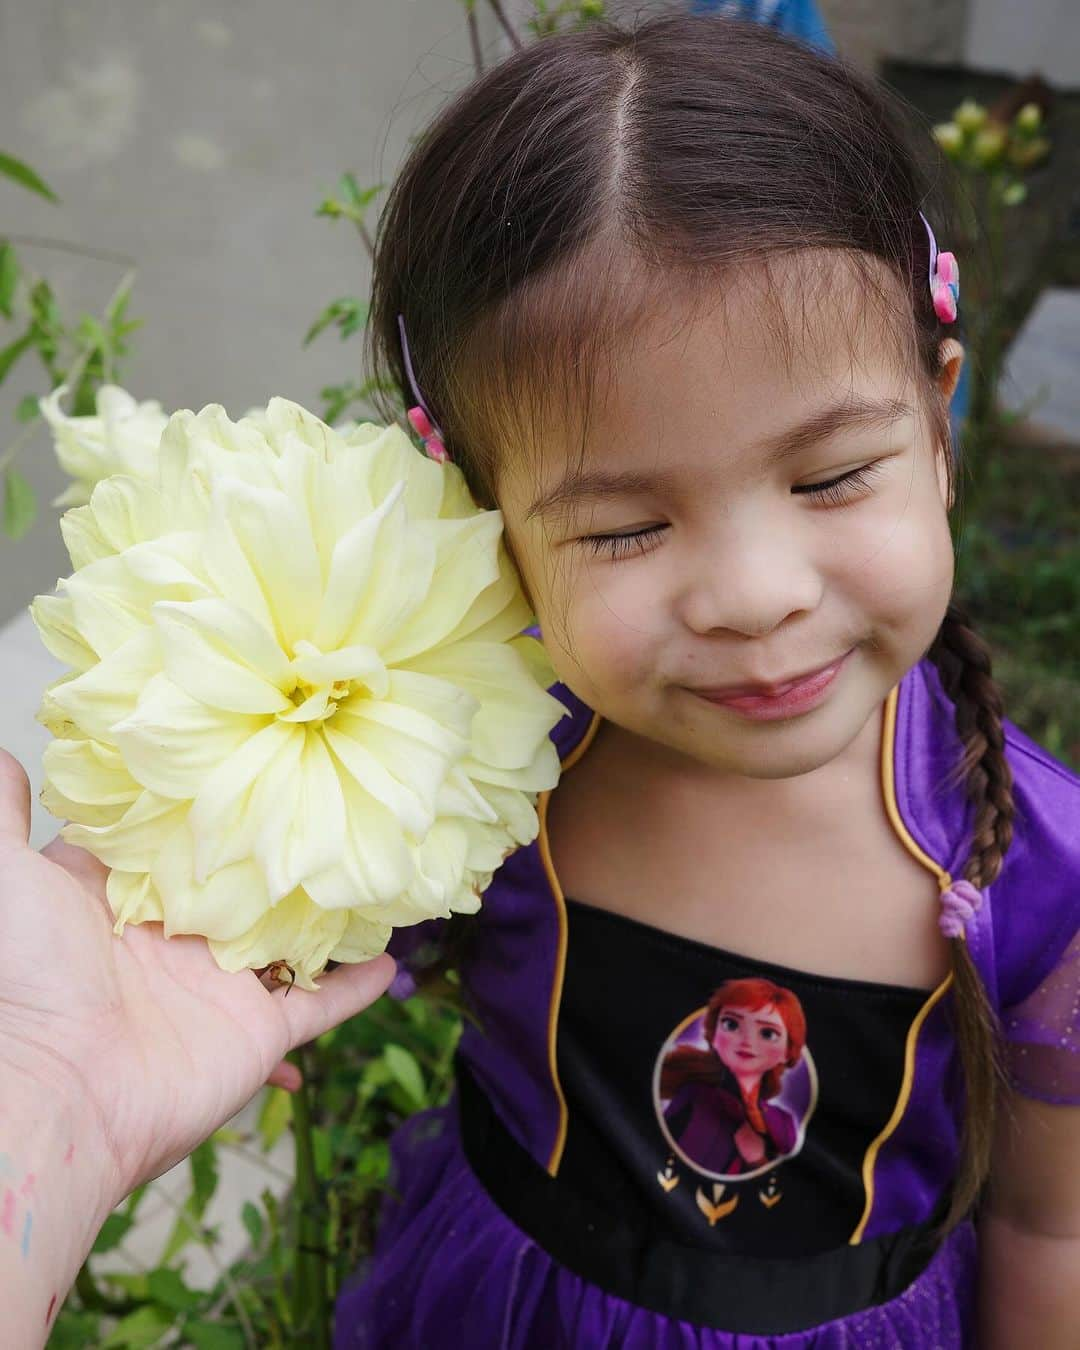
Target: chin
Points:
(789, 748)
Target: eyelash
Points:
(836, 491)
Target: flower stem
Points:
(311, 1313)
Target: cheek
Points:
(600, 625)
(774, 1053)
(722, 1043)
(896, 560)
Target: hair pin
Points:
(420, 417)
(944, 278)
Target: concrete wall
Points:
(197, 138)
(1036, 35)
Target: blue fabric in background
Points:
(800, 19)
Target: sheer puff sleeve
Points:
(1042, 1035)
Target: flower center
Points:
(316, 703)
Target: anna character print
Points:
(735, 1083)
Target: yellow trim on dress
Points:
(560, 956)
(888, 792)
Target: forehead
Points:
(715, 368)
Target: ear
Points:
(950, 363)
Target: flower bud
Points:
(989, 146)
(1029, 118)
(949, 137)
(970, 116)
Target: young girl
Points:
(669, 298)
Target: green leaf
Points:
(20, 504)
(253, 1222)
(136, 1287)
(167, 1287)
(213, 1336)
(204, 1172)
(27, 408)
(274, 1116)
(11, 353)
(1013, 194)
(138, 1330)
(348, 314)
(323, 1151)
(21, 173)
(9, 276)
(188, 1228)
(75, 1330)
(406, 1072)
(113, 1231)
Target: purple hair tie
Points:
(420, 416)
(960, 901)
(944, 277)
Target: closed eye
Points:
(838, 491)
(622, 545)
(842, 489)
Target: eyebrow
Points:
(769, 1020)
(847, 414)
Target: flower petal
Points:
(216, 653)
(106, 693)
(515, 715)
(132, 843)
(225, 819)
(172, 742)
(466, 564)
(55, 620)
(278, 552)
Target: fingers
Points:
(14, 802)
(341, 994)
(286, 1076)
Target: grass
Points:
(1019, 575)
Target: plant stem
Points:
(311, 1313)
(65, 246)
(474, 39)
(506, 25)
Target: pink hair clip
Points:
(944, 278)
(420, 417)
(960, 902)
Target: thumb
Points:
(14, 802)
(342, 994)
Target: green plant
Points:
(992, 158)
(83, 353)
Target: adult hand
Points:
(156, 1043)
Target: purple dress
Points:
(563, 1200)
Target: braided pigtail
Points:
(963, 661)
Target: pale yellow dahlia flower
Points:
(301, 710)
(122, 437)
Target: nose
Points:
(750, 583)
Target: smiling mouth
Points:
(726, 691)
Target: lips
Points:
(767, 690)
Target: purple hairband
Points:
(943, 275)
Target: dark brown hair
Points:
(555, 203)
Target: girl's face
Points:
(750, 1042)
(685, 552)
